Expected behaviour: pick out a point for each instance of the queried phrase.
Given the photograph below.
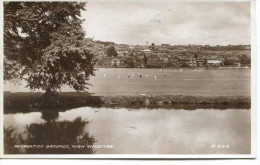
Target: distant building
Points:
(121, 46)
(192, 62)
(184, 60)
(153, 59)
(166, 46)
(248, 47)
(115, 62)
(188, 61)
(175, 61)
(214, 61)
(201, 61)
(137, 50)
(122, 52)
(147, 51)
(237, 64)
(164, 59)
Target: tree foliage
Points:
(111, 51)
(145, 59)
(244, 59)
(129, 62)
(44, 44)
(229, 61)
(105, 43)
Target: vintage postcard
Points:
(128, 79)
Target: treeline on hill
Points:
(105, 43)
(226, 48)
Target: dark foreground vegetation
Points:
(51, 137)
(28, 102)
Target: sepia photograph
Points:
(128, 79)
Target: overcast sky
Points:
(169, 22)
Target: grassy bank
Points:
(179, 102)
(28, 102)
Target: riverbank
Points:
(29, 102)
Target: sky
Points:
(202, 23)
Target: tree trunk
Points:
(50, 99)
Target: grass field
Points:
(226, 82)
(205, 82)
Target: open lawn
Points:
(226, 82)
(204, 82)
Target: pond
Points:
(129, 131)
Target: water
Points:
(142, 131)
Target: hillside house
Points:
(201, 61)
(214, 61)
(147, 51)
(192, 62)
(188, 61)
(115, 62)
(167, 46)
(122, 52)
(164, 59)
(175, 61)
(153, 60)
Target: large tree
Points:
(44, 43)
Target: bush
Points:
(153, 65)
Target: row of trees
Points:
(243, 60)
